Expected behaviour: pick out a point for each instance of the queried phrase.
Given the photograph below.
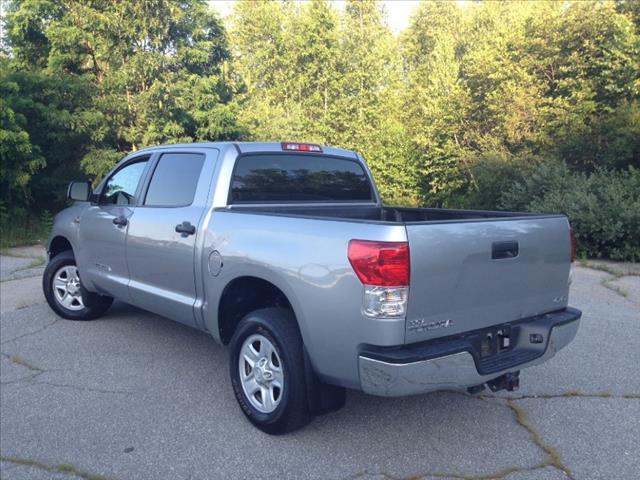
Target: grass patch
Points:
(23, 305)
(19, 237)
(36, 262)
(18, 360)
(617, 269)
(24, 229)
(606, 283)
(63, 468)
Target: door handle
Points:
(185, 228)
(509, 249)
(120, 221)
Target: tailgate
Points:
(475, 274)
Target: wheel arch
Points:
(59, 244)
(244, 294)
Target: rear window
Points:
(299, 178)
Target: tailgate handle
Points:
(507, 249)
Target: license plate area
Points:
(500, 347)
(493, 341)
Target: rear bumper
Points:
(457, 362)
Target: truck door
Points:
(163, 233)
(103, 230)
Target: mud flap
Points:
(322, 397)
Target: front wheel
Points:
(64, 293)
(267, 371)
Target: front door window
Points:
(121, 187)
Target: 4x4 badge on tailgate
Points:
(420, 325)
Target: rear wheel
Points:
(64, 292)
(261, 374)
(267, 371)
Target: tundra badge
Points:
(420, 325)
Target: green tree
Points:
(469, 102)
(20, 158)
(365, 115)
(260, 41)
(46, 121)
(435, 98)
(286, 54)
(313, 73)
(157, 68)
(587, 57)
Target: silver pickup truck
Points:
(285, 252)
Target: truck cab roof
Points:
(251, 147)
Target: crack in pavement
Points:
(84, 389)
(492, 476)
(39, 371)
(18, 360)
(42, 329)
(552, 460)
(569, 394)
(29, 381)
(522, 418)
(63, 468)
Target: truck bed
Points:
(470, 269)
(393, 215)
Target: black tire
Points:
(279, 327)
(94, 305)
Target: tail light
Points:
(384, 264)
(572, 241)
(383, 268)
(301, 147)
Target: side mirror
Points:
(80, 191)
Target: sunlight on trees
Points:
(463, 108)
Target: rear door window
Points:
(283, 178)
(174, 180)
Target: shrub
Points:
(20, 227)
(603, 206)
(492, 175)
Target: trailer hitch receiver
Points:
(509, 382)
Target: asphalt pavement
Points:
(136, 396)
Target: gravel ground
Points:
(136, 396)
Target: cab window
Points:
(121, 187)
(175, 180)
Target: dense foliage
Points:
(514, 105)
